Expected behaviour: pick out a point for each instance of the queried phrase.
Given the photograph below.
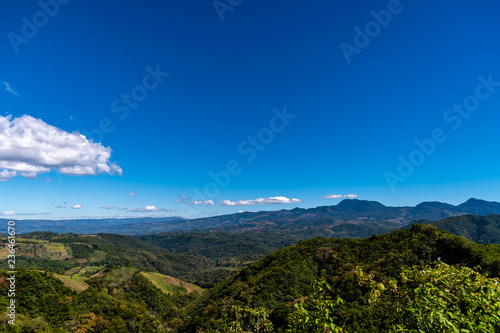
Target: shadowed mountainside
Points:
(479, 229)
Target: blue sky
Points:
(283, 103)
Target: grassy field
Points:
(170, 285)
(120, 275)
(4, 252)
(98, 256)
(58, 251)
(72, 283)
(83, 273)
(44, 249)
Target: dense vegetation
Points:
(438, 298)
(479, 229)
(284, 277)
(118, 300)
(229, 252)
(86, 255)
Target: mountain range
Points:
(352, 211)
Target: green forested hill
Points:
(275, 282)
(479, 229)
(234, 249)
(215, 245)
(85, 255)
(117, 300)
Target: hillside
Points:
(479, 229)
(235, 250)
(116, 300)
(170, 285)
(275, 282)
(85, 255)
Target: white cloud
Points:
(149, 209)
(61, 206)
(333, 196)
(29, 146)
(260, 201)
(31, 175)
(21, 214)
(131, 194)
(338, 196)
(183, 198)
(105, 207)
(145, 209)
(9, 89)
(6, 175)
(98, 217)
(154, 215)
(204, 203)
(77, 207)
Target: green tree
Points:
(315, 314)
(247, 320)
(440, 298)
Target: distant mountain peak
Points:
(474, 200)
(433, 204)
(479, 207)
(359, 204)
